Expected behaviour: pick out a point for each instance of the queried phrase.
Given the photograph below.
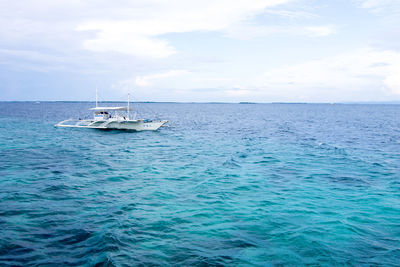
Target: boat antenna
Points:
(129, 95)
(96, 97)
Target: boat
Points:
(107, 118)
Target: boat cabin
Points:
(101, 115)
(105, 113)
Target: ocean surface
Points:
(222, 185)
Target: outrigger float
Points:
(113, 118)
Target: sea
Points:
(222, 185)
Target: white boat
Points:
(113, 118)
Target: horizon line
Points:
(205, 102)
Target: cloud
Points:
(376, 3)
(138, 28)
(291, 14)
(127, 38)
(141, 34)
(392, 78)
(363, 73)
(246, 31)
(20, 59)
(320, 30)
(30, 55)
(238, 92)
(148, 80)
(390, 6)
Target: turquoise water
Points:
(224, 184)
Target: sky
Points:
(200, 51)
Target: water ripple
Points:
(226, 184)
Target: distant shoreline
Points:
(213, 102)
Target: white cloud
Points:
(247, 31)
(381, 5)
(115, 40)
(141, 34)
(137, 28)
(365, 75)
(290, 14)
(362, 73)
(392, 78)
(238, 92)
(376, 3)
(30, 55)
(148, 80)
(320, 30)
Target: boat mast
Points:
(96, 97)
(128, 103)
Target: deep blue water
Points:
(224, 184)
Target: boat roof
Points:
(109, 108)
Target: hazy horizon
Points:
(210, 102)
